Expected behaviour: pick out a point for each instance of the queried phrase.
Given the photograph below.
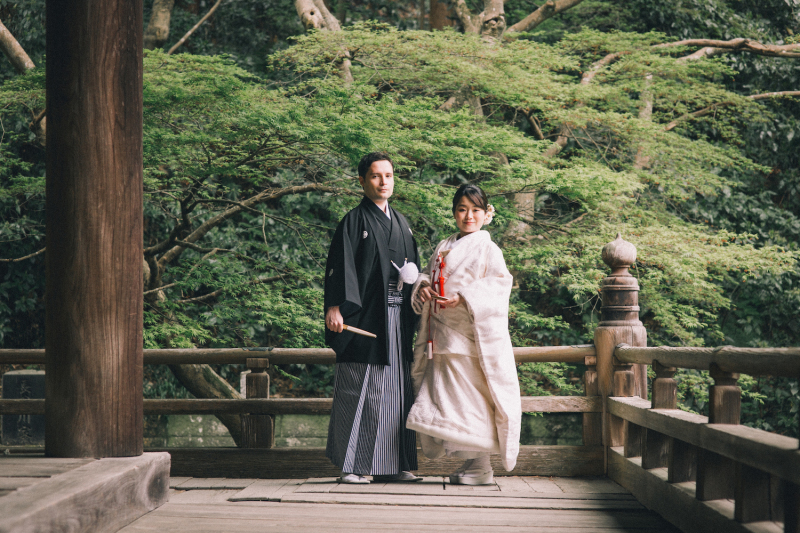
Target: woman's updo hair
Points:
(474, 194)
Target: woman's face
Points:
(469, 217)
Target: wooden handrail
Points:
(282, 356)
(768, 452)
(754, 361)
(284, 406)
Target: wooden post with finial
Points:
(619, 324)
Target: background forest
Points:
(675, 123)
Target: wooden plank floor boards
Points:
(511, 504)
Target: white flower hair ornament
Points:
(489, 214)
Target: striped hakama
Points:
(367, 433)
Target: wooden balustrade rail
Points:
(290, 406)
(752, 361)
(282, 356)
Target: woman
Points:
(465, 379)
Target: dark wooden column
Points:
(620, 324)
(94, 228)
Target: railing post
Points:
(715, 473)
(257, 430)
(682, 456)
(655, 452)
(619, 324)
(592, 422)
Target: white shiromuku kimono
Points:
(467, 396)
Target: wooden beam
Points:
(768, 452)
(282, 356)
(753, 361)
(292, 406)
(676, 503)
(283, 463)
(94, 228)
(103, 495)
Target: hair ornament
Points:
(489, 214)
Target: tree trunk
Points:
(14, 52)
(494, 20)
(203, 382)
(441, 16)
(315, 15)
(157, 30)
(94, 229)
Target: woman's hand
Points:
(425, 294)
(451, 302)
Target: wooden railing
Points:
(710, 468)
(700, 473)
(258, 412)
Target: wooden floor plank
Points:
(323, 484)
(320, 517)
(261, 490)
(194, 483)
(290, 486)
(202, 496)
(460, 500)
(432, 486)
(174, 481)
(541, 484)
(512, 484)
(229, 525)
(38, 466)
(428, 485)
(584, 485)
(13, 483)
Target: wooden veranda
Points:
(639, 456)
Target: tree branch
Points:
(597, 66)
(464, 15)
(707, 110)
(264, 196)
(190, 32)
(217, 292)
(14, 51)
(714, 47)
(547, 10)
(18, 259)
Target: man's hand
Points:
(334, 320)
(426, 293)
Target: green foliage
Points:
(712, 211)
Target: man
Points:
(372, 391)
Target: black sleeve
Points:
(341, 276)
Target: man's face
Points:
(378, 184)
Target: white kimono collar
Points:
(466, 247)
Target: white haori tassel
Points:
(408, 274)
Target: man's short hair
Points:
(367, 160)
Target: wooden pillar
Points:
(619, 324)
(94, 229)
(655, 453)
(715, 473)
(257, 430)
